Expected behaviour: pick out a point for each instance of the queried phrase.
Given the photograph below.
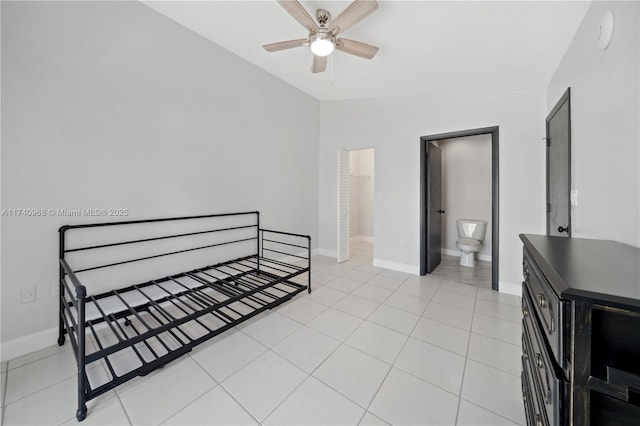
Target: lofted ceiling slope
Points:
(425, 46)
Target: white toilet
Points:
(471, 234)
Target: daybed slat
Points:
(145, 240)
(105, 318)
(155, 256)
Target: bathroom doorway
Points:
(469, 157)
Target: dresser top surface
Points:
(586, 269)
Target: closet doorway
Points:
(355, 203)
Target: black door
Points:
(559, 168)
(434, 207)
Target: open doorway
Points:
(361, 201)
(355, 205)
(439, 237)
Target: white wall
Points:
(361, 196)
(605, 134)
(466, 188)
(111, 105)
(393, 127)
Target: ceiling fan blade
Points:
(282, 45)
(319, 64)
(357, 48)
(354, 13)
(300, 14)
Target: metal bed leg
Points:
(81, 293)
(309, 265)
(61, 337)
(61, 328)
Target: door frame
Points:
(429, 146)
(565, 98)
(495, 193)
(339, 247)
(339, 190)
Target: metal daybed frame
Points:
(119, 334)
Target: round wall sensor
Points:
(605, 30)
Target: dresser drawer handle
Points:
(525, 311)
(539, 361)
(526, 273)
(542, 301)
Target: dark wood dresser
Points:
(581, 332)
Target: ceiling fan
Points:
(322, 37)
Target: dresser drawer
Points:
(549, 309)
(534, 411)
(545, 375)
(526, 396)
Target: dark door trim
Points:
(433, 220)
(566, 97)
(495, 193)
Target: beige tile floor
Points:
(368, 346)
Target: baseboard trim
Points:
(29, 343)
(325, 252)
(456, 253)
(510, 288)
(396, 266)
(361, 238)
(296, 256)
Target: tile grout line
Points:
(492, 412)
(391, 367)
(124, 409)
(220, 384)
(366, 409)
(290, 393)
(4, 406)
(464, 368)
(36, 360)
(4, 394)
(413, 329)
(318, 366)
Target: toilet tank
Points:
(469, 228)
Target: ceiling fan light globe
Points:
(322, 47)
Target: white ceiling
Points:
(425, 46)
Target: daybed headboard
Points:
(111, 255)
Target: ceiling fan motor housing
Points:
(322, 42)
(322, 17)
(322, 34)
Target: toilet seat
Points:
(468, 245)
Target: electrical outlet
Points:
(378, 195)
(403, 243)
(55, 289)
(28, 295)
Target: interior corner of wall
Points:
(324, 252)
(510, 288)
